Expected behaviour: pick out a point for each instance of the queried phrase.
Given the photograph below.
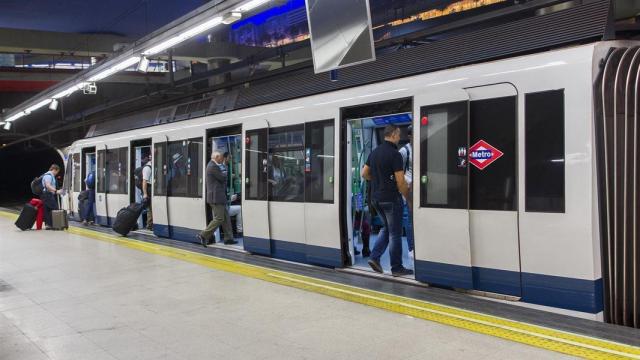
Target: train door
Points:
(102, 214)
(255, 204)
(493, 189)
(363, 130)
(229, 142)
(140, 159)
(88, 166)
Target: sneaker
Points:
(402, 272)
(202, 240)
(375, 265)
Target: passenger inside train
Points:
(231, 146)
(366, 134)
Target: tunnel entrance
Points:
(19, 164)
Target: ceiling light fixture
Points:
(70, 90)
(37, 106)
(15, 116)
(250, 5)
(143, 65)
(114, 69)
(54, 105)
(7, 126)
(231, 17)
(207, 25)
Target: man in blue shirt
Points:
(50, 194)
(384, 168)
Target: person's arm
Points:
(217, 173)
(398, 172)
(49, 185)
(144, 189)
(366, 172)
(403, 187)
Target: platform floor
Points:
(64, 296)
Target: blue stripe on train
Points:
(555, 291)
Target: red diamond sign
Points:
(481, 154)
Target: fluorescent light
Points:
(15, 116)
(250, 5)
(54, 105)
(207, 25)
(231, 17)
(114, 69)
(7, 126)
(143, 65)
(69, 90)
(37, 106)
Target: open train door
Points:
(102, 214)
(257, 231)
(440, 189)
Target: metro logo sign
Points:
(481, 154)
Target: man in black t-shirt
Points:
(384, 168)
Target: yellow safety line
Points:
(533, 335)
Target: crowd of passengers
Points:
(388, 169)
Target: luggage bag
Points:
(127, 218)
(27, 217)
(59, 218)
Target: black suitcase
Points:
(27, 217)
(126, 218)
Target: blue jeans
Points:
(391, 215)
(87, 212)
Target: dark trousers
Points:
(50, 203)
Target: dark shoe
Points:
(355, 251)
(230, 242)
(366, 252)
(375, 265)
(202, 240)
(402, 272)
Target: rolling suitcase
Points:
(27, 217)
(59, 219)
(127, 218)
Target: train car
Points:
(505, 190)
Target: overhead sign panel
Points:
(340, 33)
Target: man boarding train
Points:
(385, 170)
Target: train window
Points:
(256, 168)
(319, 159)
(77, 176)
(286, 173)
(100, 171)
(116, 170)
(184, 168)
(159, 166)
(544, 151)
(443, 134)
(494, 187)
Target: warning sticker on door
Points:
(482, 154)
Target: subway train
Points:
(510, 168)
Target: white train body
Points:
(551, 259)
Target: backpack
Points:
(91, 181)
(137, 175)
(36, 185)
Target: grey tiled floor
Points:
(67, 297)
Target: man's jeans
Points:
(391, 215)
